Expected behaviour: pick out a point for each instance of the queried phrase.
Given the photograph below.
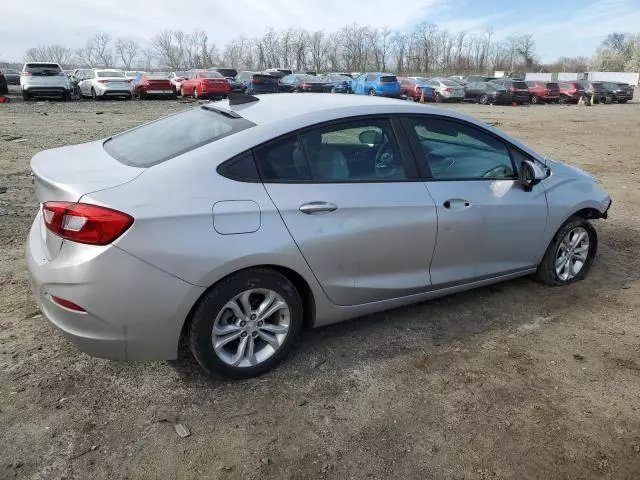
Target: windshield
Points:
(209, 75)
(228, 72)
(450, 83)
(42, 69)
(110, 73)
(159, 141)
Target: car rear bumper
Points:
(134, 311)
(45, 91)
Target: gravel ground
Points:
(514, 381)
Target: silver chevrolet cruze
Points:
(236, 223)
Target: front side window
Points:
(457, 151)
(354, 151)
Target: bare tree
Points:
(102, 49)
(49, 53)
(127, 51)
(147, 57)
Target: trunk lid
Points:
(66, 174)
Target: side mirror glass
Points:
(530, 174)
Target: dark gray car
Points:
(11, 76)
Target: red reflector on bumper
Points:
(67, 304)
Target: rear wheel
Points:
(534, 99)
(623, 100)
(438, 98)
(570, 254)
(181, 92)
(372, 92)
(25, 96)
(563, 99)
(246, 324)
(483, 99)
(195, 92)
(93, 94)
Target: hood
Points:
(558, 167)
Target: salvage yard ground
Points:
(515, 381)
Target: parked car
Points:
(376, 84)
(486, 93)
(4, 88)
(342, 74)
(458, 78)
(570, 92)
(276, 71)
(444, 90)
(337, 83)
(154, 85)
(616, 92)
(44, 79)
(475, 78)
(262, 232)
(413, 89)
(543, 92)
(257, 82)
(231, 75)
(104, 83)
(11, 76)
(205, 84)
(176, 78)
(301, 82)
(518, 89)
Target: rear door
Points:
(349, 196)
(488, 224)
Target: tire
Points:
(211, 310)
(25, 96)
(547, 272)
(93, 94)
(534, 100)
(438, 98)
(195, 92)
(483, 99)
(371, 92)
(181, 92)
(563, 100)
(623, 100)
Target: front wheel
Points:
(563, 99)
(534, 100)
(623, 100)
(483, 100)
(246, 324)
(372, 93)
(570, 254)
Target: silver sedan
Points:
(233, 225)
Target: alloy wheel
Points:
(572, 254)
(251, 327)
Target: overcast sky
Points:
(565, 28)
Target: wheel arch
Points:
(303, 287)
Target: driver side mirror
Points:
(530, 174)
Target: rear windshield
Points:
(389, 79)
(159, 141)
(156, 76)
(307, 78)
(110, 73)
(12, 72)
(42, 68)
(520, 85)
(228, 72)
(181, 74)
(552, 86)
(265, 76)
(209, 75)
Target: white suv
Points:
(44, 79)
(104, 83)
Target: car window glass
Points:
(371, 77)
(283, 160)
(355, 151)
(457, 151)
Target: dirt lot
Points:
(515, 381)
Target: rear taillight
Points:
(85, 223)
(66, 304)
(26, 74)
(448, 89)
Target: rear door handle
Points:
(456, 203)
(316, 208)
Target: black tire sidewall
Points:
(213, 300)
(546, 270)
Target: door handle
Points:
(315, 208)
(456, 203)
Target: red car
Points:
(540, 91)
(154, 84)
(570, 92)
(414, 89)
(206, 84)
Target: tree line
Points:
(425, 49)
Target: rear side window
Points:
(228, 72)
(42, 69)
(159, 141)
(388, 79)
(520, 85)
(553, 86)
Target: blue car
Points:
(338, 83)
(381, 84)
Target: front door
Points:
(488, 224)
(343, 190)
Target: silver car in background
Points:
(98, 83)
(232, 227)
(44, 79)
(444, 89)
